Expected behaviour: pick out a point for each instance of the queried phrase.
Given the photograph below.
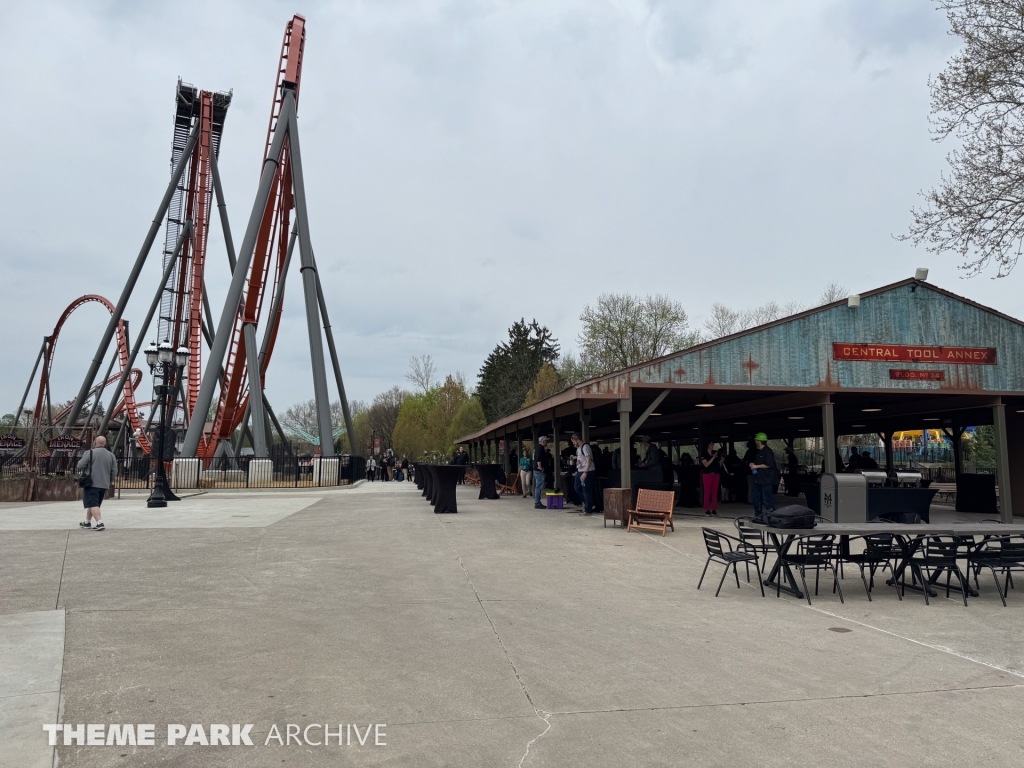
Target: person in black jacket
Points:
(765, 475)
(461, 459)
(541, 460)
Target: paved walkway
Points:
(501, 636)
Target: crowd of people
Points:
(389, 468)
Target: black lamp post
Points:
(166, 365)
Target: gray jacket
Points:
(104, 467)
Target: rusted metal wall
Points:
(798, 353)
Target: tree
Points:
(383, 414)
(421, 372)
(623, 330)
(509, 371)
(469, 419)
(977, 211)
(834, 291)
(722, 321)
(544, 386)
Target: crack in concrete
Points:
(543, 716)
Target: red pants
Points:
(711, 481)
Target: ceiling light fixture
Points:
(704, 403)
(803, 430)
(870, 410)
(795, 418)
(937, 419)
(615, 421)
(858, 425)
(740, 423)
(655, 414)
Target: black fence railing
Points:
(241, 472)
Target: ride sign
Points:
(11, 443)
(889, 353)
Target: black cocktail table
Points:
(489, 475)
(417, 474)
(428, 482)
(445, 477)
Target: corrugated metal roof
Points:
(796, 352)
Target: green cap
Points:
(761, 437)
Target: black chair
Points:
(753, 541)
(941, 553)
(879, 551)
(998, 553)
(814, 551)
(727, 555)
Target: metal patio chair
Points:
(728, 555)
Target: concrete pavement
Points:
(501, 636)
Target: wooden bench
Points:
(511, 485)
(947, 490)
(653, 511)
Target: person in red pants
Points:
(710, 477)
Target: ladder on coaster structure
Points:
(268, 261)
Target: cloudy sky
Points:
(472, 162)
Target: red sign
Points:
(895, 373)
(891, 353)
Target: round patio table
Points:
(489, 475)
(445, 478)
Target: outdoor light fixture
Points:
(853, 301)
(166, 352)
(151, 354)
(921, 273)
(704, 403)
(181, 357)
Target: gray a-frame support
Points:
(225, 326)
(252, 362)
(337, 367)
(309, 286)
(222, 209)
(28, 387)
(133, 277)
(140, 339)
(265, 346)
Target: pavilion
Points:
(905, 356)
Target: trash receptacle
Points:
(844, 498)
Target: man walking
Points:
(585, 474)
(765, 472)
(101, 466)
(540, 462)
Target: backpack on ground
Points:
(793, 516)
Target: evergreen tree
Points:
(511, 368)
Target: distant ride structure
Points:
(221, 391)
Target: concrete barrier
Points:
(261, 473)
(185, 472)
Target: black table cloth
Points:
(489, 475)
(417, 475)
(886, 501)
(445, 477)
(428, 482)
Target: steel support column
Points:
(133, 277)
(259, 419)
(1002, 463)
(140, 339)
(625, 441)
(225, 326)
(828, 431)
(309, 285)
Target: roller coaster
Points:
(225, 402)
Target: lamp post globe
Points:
(166, 352)
(151, 355)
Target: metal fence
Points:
(137, 473)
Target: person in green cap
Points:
(765, 472)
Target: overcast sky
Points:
(469, 163)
